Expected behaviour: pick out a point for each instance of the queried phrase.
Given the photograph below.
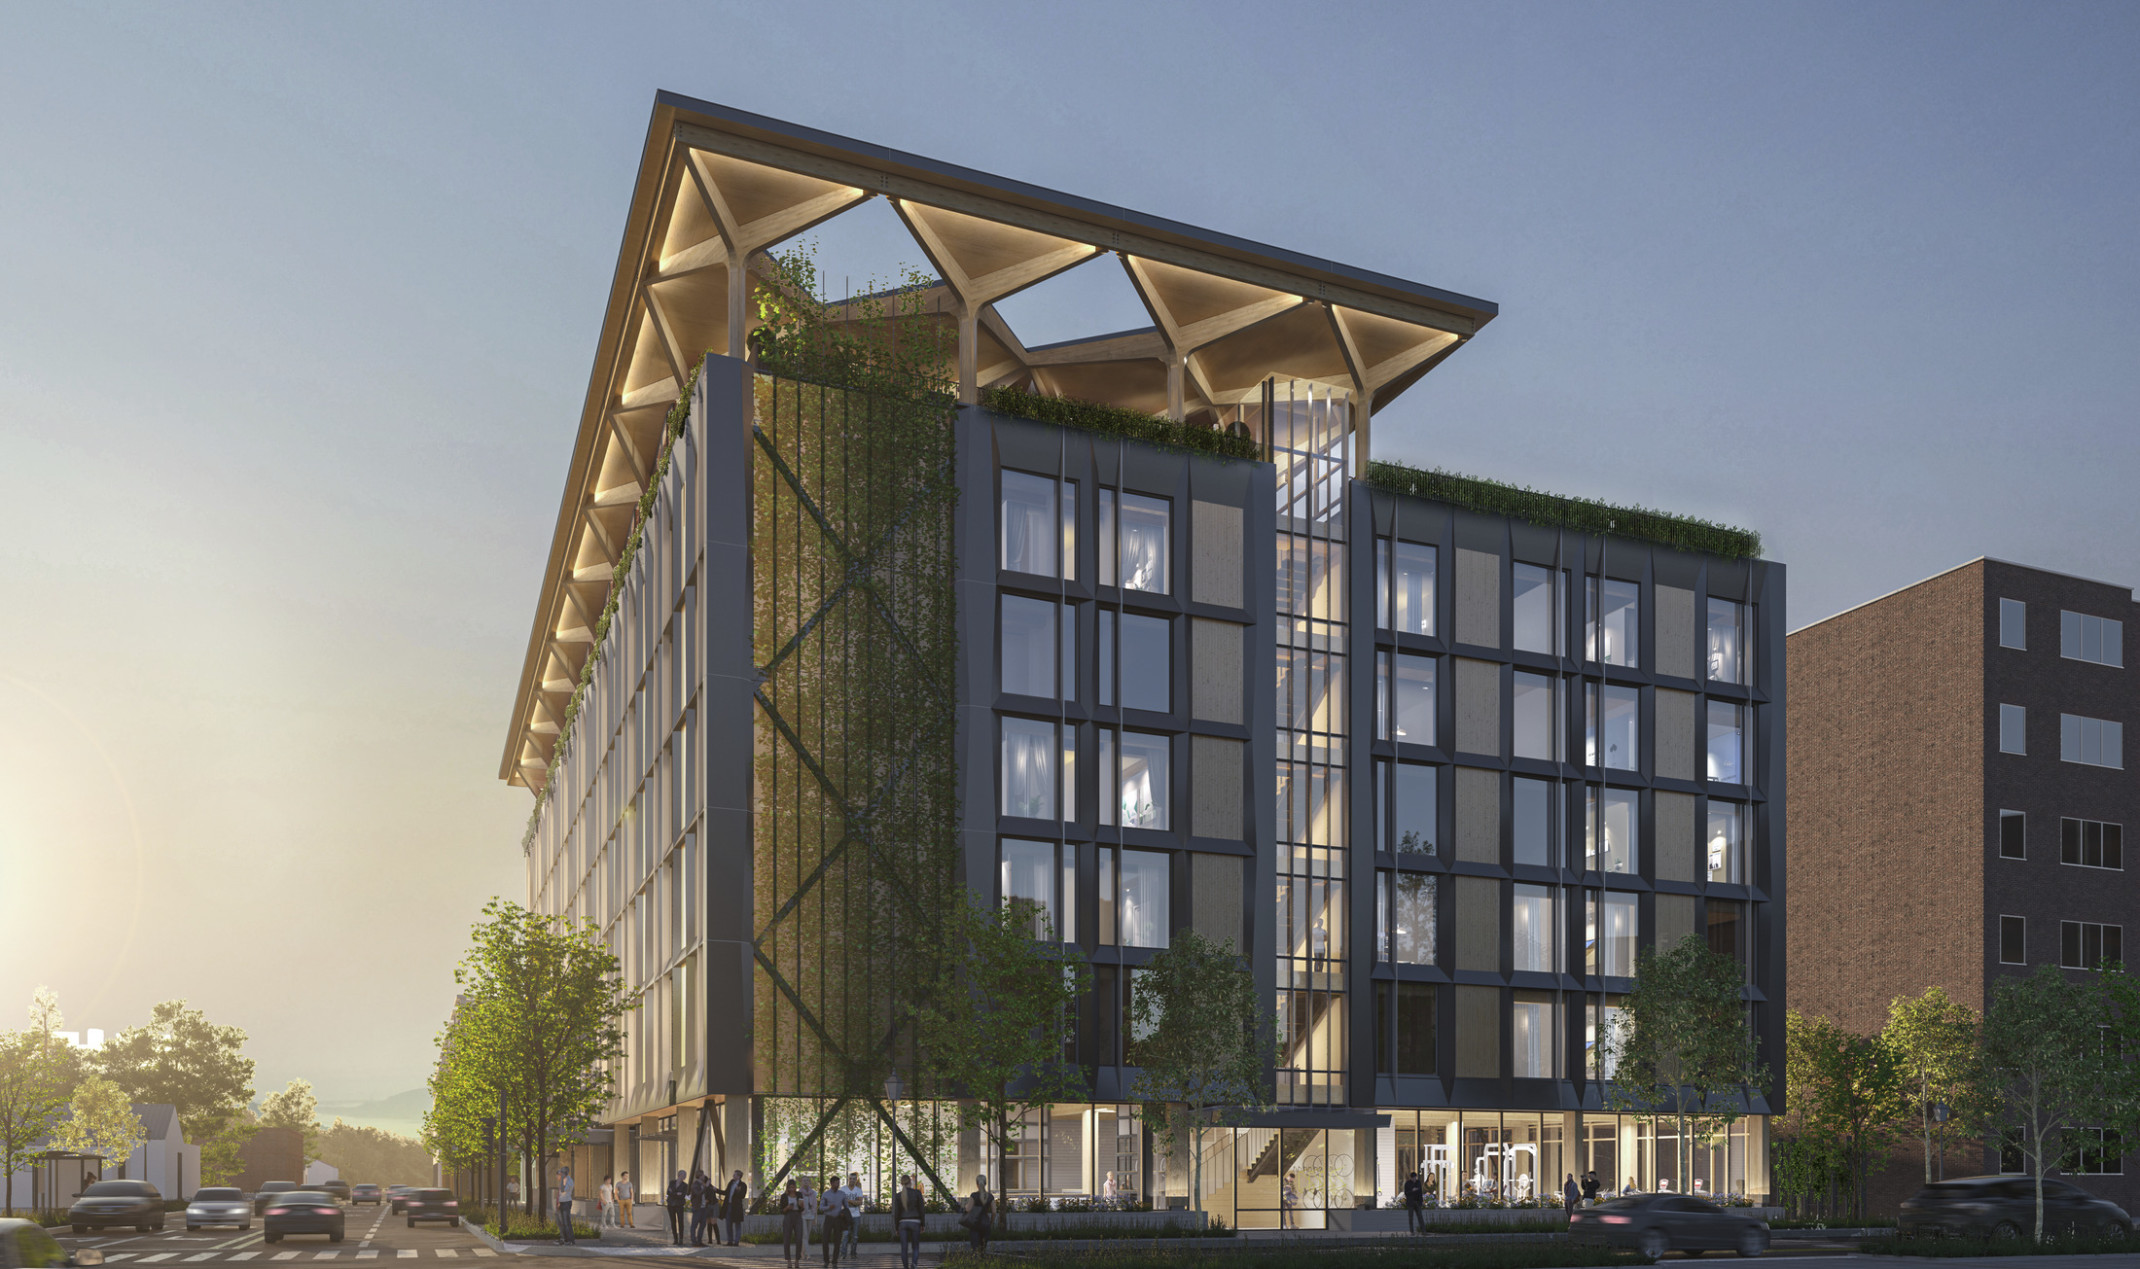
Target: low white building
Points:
(316, 1172)
(164, 1160)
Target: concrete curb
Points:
(504, 1248)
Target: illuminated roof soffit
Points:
(718, 189)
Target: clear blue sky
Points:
(297, 306)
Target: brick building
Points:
(1957, 802)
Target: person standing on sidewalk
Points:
(855, 1203)
(564, 1206)
(791, 1224)
(679, 1198)
(625, 1197)
(605, 1202)
(809, 1207)
(1570, 1195)
(734, 1200)
(980, 1215)
(906, 1218)
(832, 1207)
(701, 1208)
(1415, 1203)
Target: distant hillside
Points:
(403, 1113)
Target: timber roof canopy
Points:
(719, 187)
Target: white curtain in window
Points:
(1533, 927)
(1028, 768)
(1144, 543)
(1143, 788)
(1142, 902)
(1029, 527)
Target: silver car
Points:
(219, 1205)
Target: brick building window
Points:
(2013, 729)
(2094, 742)
(2013, 835)
(2013, 624)
(2094, 1152)
(2085, 638)
(2013, 941)
(2088, 844)
(2086, 945)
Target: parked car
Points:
(219, 1205)
(1657, 1223)
(338, 1188)
(25, 1243)
(107, 1203)
(267, 1192)
(303, 1212)
(366, 1192)
(432, 1205)
(2005, 1207)
(398, 1197)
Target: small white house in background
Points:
(163, 1159)
(316, 1172)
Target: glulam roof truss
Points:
(718, 188)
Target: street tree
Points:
(101, 1122)
(1934, 1037)
(296, 1108)
(997, 1025)
(34, 1094)
(1854, 1090)
(1202, 1038)
(386, 1157)
(1682, 1049)
(2048, 1063)
(545, 1002)
(181, 1058)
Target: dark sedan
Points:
(340, 1189)
(2005, 1207)
(365, 1192)
(1657, 1223)
(303, 1212)
(268, 1192)
(107, 1203)
(432, 1205)
(397, 1196)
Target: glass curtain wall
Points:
(1309, 429)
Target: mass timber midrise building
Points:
(1438, 772)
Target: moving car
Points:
(338, 1188)
(303, 1212)
(366, 1192)
(2005, 1207)
(268, 1191)
(398, 1196)
(1657, 1223)
(25, 1243)
(219, 1205)
(432, 1205)
(107, 1203)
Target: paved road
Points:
(369, 1234)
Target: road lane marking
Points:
(117, 1255)
(484, 1251)
(326, 1255)
(448, 1252)
(161, 1255)
(243, 1255)
(285, 1255)
(406, 1253)
(373, 1254)
(202, 1255)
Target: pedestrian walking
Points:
(1570, 1194)
(906, 1218)
(791, 1224)
(980, 1215)
(1415, 1204)
(626, 1196)
(811, 1227)
(1591, 1186)
(832, 1209)
(733, 1203)
(605, 1202)
(564, 1206)
(855, 1203)
(679, 1198)
(701, 1203)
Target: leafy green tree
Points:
(295, 1107)
(363, 1153)
(1203, 1040)
(1935, 1038)
(2049, 1063)
(1682, 1048)
(544, 1003)
(1854, 1090)
(34, 1094)
(997, 1025)
(181, 1058)
(101, 1122)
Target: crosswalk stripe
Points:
(161, 1255)
(202, 1255)
(485, 1251)
(373, 1254)
(117, 1255)
(448, 1252)
(327, 1255)
(243, 1255)
(285, 1255)
(406, 1253)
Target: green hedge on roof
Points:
(1117, 420)
(1494, 497)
